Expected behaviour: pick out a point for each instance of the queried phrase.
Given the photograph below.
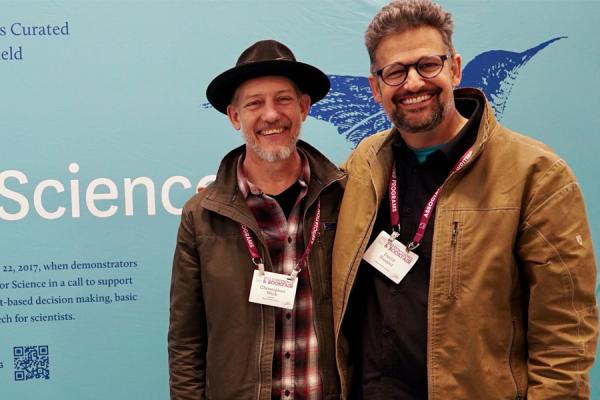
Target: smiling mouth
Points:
(272, 131)
(416, 99)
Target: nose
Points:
(414, 82)
(270, 114)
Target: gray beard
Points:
(271, 156)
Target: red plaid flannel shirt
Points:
(296, 373)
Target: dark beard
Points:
(399, 120)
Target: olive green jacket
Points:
(512, 312)
(220, 345)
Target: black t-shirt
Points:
(287, 198)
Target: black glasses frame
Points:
(442, 57)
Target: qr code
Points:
(31, 362)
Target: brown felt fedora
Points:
(267, 57)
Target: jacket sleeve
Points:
(187, 322)
(555, 250)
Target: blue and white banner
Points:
(105, 132)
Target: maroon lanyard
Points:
(426, 216)
(257, 259)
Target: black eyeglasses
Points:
(428, 67)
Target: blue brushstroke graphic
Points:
(495, 72)
(350, 107)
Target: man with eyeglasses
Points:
(463, 266)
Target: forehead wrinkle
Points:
(416, 55)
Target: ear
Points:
(234, 117)
(304, 102)
(456, 69)
(375, 88)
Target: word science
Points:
(101, 197)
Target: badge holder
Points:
(272, 289)
(390, 257)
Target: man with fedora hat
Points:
(250, 312)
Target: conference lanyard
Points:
(429, 206)
(257, 259)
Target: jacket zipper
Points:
(260, 350)
(441, 195)
(453, 278)
(519, 396)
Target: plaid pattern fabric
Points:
(296, 373)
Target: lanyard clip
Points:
(412, 245)
(259, 263)
(294, 274)
(395, 233)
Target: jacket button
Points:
(288, 315)
(287, 392)
(287, 355)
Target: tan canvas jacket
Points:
(221, 345)
(512, 311)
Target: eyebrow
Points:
(279, 92)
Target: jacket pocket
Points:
(454, 269)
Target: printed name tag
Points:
(273, 289)
(390, 257)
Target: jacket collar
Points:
(488, 124)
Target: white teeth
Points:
(271, 131)
(418, 99)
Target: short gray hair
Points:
(402, 15)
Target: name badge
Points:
(273, 289)
(390, 257)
